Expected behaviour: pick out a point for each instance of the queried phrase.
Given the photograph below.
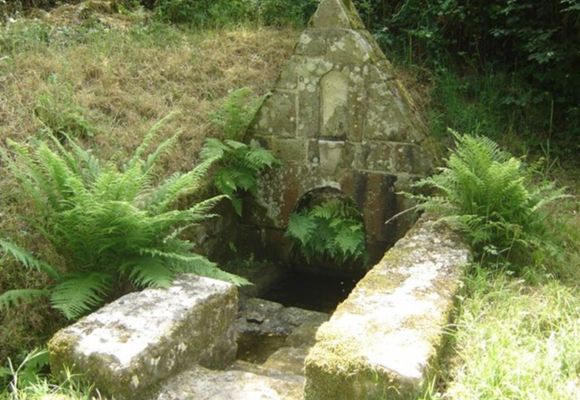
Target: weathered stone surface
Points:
(264, 326)
(337, 113)
(336, 13)
(143, 338)
(280, 119)
(203, 384)
(263, 317)
(381, 342)
(288, 359)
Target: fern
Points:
(79, 293)
(27, 259)
(301, 227)
(240, 164)
(110, 225)
(490, 195)
(236, 113)
(14, 297)
(149, 272)
(330, 230)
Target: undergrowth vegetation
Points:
(240, 164)
(60, 116)
(514, 340)
(329, 231)
(109, 225)
(493, 199)
(215, 13)
(28, 380)
(523, 54)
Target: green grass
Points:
(516, 341)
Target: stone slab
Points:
(267, 318)
(382, 341)
(203, 384)
(142, 338)
(287, 359)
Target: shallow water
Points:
(311, 291)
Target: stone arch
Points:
(319, 194)
(314, 197)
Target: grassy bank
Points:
(516, 340)
(106, 81)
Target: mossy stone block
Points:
(136, 342)
(383, 340)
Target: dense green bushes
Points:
(212, 13)
(535, 43)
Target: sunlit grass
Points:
(517, 341)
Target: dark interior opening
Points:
(312, 290)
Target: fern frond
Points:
(259, 159)
(30, 176)
(177, 186)
(80, 293)
(225, 181)
(213, 149)
(147, 140)
(349, 240)
(148, 272)
(236, 113)
(204, 267)
(14, 297)
(235, 145)
(160, 150)
(300, 227)
(27, 259)
(90, 166)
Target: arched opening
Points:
(328, 251)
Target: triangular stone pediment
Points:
(338, 117)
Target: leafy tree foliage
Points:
(536, 40)
(111, 226)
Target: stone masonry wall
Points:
(339, 118)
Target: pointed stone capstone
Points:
(336, 14)
(338, 118)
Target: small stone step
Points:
(263, 317)
(288, 359)
(200, 383)
(257, 369)
(265, 326)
